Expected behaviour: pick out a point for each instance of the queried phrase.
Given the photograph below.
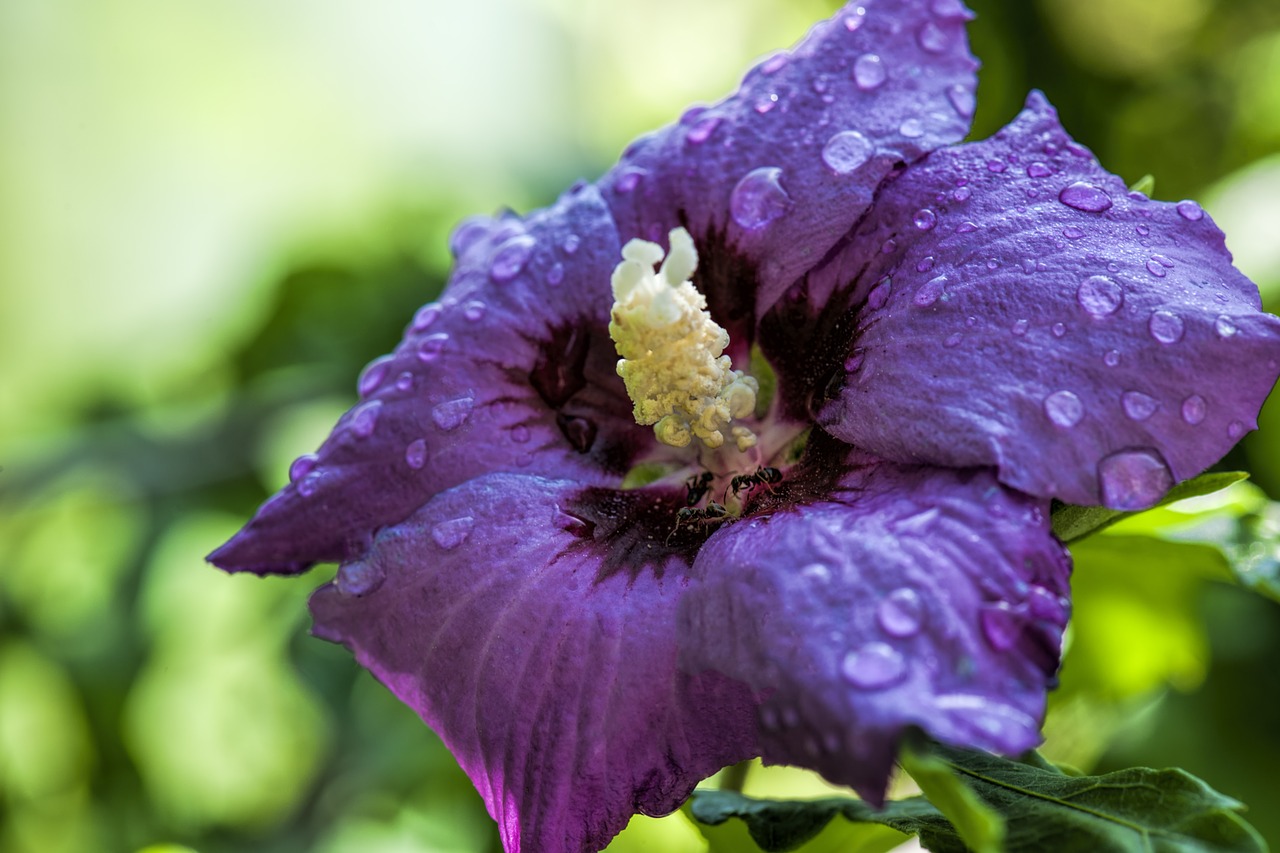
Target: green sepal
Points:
(1071, 523)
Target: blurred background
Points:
(214, 214)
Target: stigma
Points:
(671, 351)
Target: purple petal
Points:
(912, 597)
(1023, 310)
(513, 370)
(770, 178)
(554, 683)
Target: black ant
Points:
(762, 476)
(690, 515)
(698, 486)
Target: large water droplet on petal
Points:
(1225, 327)
(373, 376)
(1138, 406)
(900, 613)
(912, 128)
(359, 578)
(1100, 296)
(931, 38)
(1166, 327)
(930, 291)
(868, 72)
(962, 100)
(1038, 170)
(875, 666)
(415, 455)
(1190, 211)
(879, 294)
(474, 310)
(302, 466)
(1001, 626)
(450, 534)
(702, 130)
(846, 151)
(1064, 409)
(425, 316)
(1086, 197)
(925, 219)
(511, 257)
(451, 414)
(1133, 479)
(365, 419)
(759, 198)
(1194, 408)
(430, 347)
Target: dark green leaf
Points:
(1071, 523)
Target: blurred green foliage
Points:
(216, 213)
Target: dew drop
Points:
(1225, 327)
(1038, 170)
(629, 180)
(359, 578)
(425, 316)
(962, 194)
(962, 100)
(1045, 605)
(510, 258)
(1112, 358)
(1133, 479)
(415, 455)
(924, 264)
(579, 432)
(996, 166)
(1086, 197)
(702, 130)
(452, 414)
(766, 103)
(846, 151)
(307, 485)
(555, 275)
(450, 534)
(1064, 409)
(965, 227)
(1100, 296)
(925, 219)
(430, 347)
(1234, 430)
(1190, 211)
(404, 382)
(853, 22)
(373, 375)
(365, 419)
(474, 310)
(868, 72)
(930, 291)
(1194, 408)
(759, 198)
(953, 340)
(1020, 327)
(1001, 626)
(1166, 327)
(1138, 406)
(900, 613)
(875, 666)
(520, 433)
(774, 63)
(302, 466)
(816, 572)
(1142, 229)
(931, 38)
(912, 128)
(879, 294)
(1156, 269)
(1071, 232)
(467, 234)
(571, 244)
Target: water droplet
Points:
(450, 534)
(953, 340)
(766, 102)
(992, 264)
(1224, 326)
(759, 198)
(925, 264)
(1112, 358)
(1086, 197)
(962, 100)
(962, 194)
(510, 258)
(875, 666)
(702, 130)
(1155, 268)
(520, 433)
(816, 572)
(555, 275)
(1000, 625)
(774, 63)
(1020, 327)
(579, 432)
(374, 374)
(1133, 479)
(1234, 430)
(846, 151)
(1100, 296)
(1190, 211)
(931, 38)
(879, 294)
(925, 219)
(1138, 406)
(1045, 605)
(302, 466)
(629, 180)
(430, 347)
(571, 244)
(912, 128)
(307, 485)
(965, 227)
(415, 455)
(930, 291)
(1142, 230)
(996, 166)
(820, 83)
(900, 613)
(467, 234)
(364, 419)
(359, 578)
(474, 310)
(1038, 170)
(425, 316)
(1194, 408)
(1058, 329)
(868, 72)
(1064, 408)
(856, 20)
(404, 382)
(1166, 327)
(1071, 232)
(451, 414)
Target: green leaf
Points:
(979, 827)
(1071, 523)
(1145, 185)
(1140, 810)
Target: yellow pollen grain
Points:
(672, 352)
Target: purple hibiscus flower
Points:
(913, 347)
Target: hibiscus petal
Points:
(1023, 310)
(552, 681)
(768, 179)
(910, 597)
(512, 370)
